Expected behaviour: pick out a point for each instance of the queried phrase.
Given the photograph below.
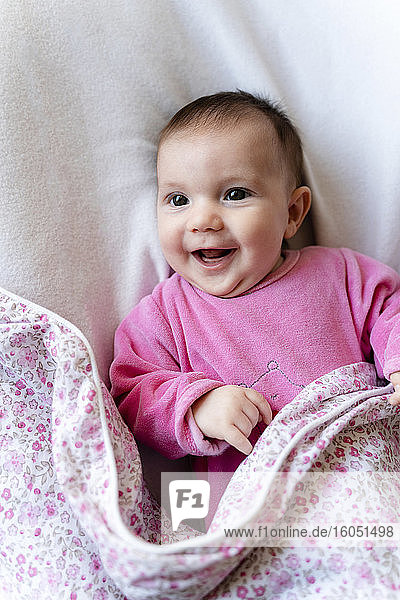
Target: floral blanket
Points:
(78, 522)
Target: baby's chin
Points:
(217, 290)
(232, 284)
(226, 291)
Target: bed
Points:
(85, 89)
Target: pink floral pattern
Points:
(78, 522)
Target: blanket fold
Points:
(79, 521)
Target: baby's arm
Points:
(374, 294)
(153, 394)
(230, 413)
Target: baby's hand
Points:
(230, 413)
(395, 379)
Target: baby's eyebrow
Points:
(237, 179)
(169, 185)
(170, 182)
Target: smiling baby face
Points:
(225, 204)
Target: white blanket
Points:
(86, 86)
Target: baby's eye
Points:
(237, 194)
(178, 200)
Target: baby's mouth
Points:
(212, 255)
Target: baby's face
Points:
(222, 206)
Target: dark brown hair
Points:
(229, 108)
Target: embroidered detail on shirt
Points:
(273, 365)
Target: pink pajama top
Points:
(322, 309)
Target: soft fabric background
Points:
(86, 86)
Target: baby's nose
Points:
(205, 217)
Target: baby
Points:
(204, 362)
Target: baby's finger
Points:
(261, 403)
(252, 413)
(395, 380)
(243, 423)
(394, 399)
(235, 438)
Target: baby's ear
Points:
(298, 207)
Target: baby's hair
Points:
(228, 108)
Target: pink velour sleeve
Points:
(154, 396)
(374, 295)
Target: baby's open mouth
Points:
(212, 255)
